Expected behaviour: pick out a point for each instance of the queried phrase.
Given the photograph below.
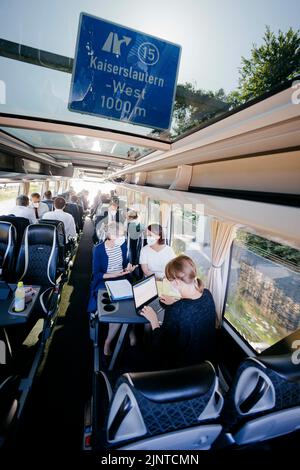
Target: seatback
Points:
(38, 256)
(80, 210)
(61, 238)
(49, 203)
(7, 250)
(134, 246)
(20, 224)
(264, 399)
(173, 409)
(72, 209)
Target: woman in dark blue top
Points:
(187, 334)
(110, 261)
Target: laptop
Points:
(145, 293)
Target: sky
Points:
(214, 35)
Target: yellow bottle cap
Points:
(20, 284)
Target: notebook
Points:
(119, 290)
(164, 287)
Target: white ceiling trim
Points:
(265, 115)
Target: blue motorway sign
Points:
(123, 74)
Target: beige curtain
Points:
(222, 236)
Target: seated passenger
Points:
(39, 207)
(22, 209)
(75, 200)
(187, 334)
(109, 262)
(134, 231)
(110, 213)
(156, 254)
(59, 214)
(48, 200)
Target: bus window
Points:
(35, 187)
(8, 195)
(51, 187)
(263, 299)
(190, 235)
(154, 215)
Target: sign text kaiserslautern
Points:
(123, 74)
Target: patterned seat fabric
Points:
(276, 376)
(164, 417)
(38, 257)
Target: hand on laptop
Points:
(168, 299)
(151, 316)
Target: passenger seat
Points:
(173, 409)
(7, 250)
(264, 400)
(61, 240)
(20, 224)
(38, 262)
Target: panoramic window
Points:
(8, 194)
(52, 187)
(214, 77)
(35, 187)
(191, 236)
(154, 213)
(263, 300)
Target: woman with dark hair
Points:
(187, 334)
(110, 261)
(156, 254)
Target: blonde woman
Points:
(187, 335)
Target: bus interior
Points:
(223, 182)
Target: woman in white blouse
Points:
(156, 254)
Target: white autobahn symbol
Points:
(113, 43)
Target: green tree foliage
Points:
(193, 106)
(271, 64)
(271, 250)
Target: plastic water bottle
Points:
(20, 297)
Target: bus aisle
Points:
(55, 410)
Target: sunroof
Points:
(38, 47)
(53, 142)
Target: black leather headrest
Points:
(14, 220)
(56, 223)
(40, 234)
(176, 384)
(283, 365)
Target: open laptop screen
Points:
(144, 291)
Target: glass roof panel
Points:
(213, 76)
(77, 143)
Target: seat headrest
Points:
(51, 222)
(174, 385)
(40, 234)
(283, 366)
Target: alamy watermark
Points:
(2, 92)
(2, 352)
(296, 94)
(296, 353)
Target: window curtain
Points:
(222, 236)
